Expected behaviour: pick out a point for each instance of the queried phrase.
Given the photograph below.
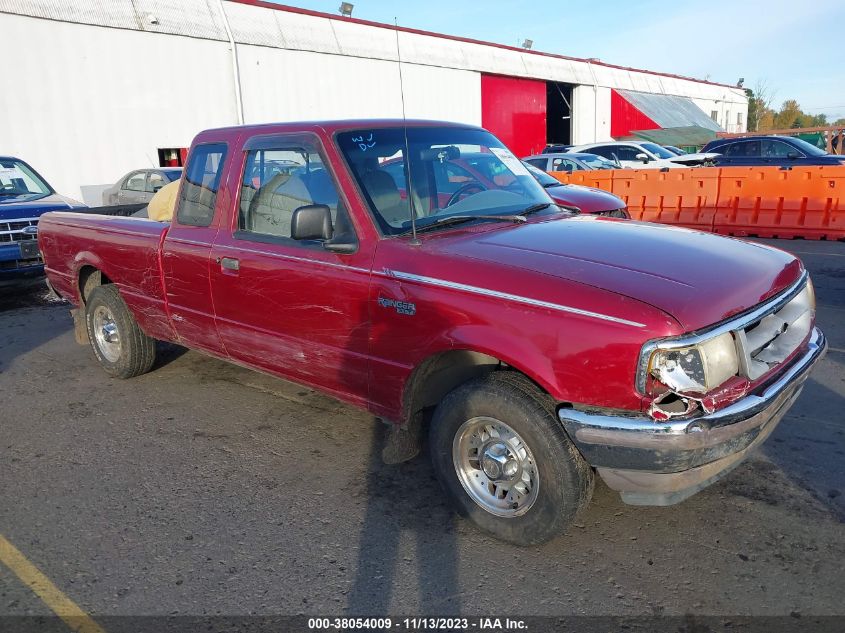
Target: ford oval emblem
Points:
(30, 230)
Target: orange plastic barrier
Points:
(805, 202)
(598, 178)
(686, 197)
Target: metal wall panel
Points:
(282, 85)
(191, 18)
(106, 99)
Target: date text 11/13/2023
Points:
(418, 624)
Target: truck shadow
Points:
(408, 529)
(29, 318)
(408, 539)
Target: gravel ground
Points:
(203, 488)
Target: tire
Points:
(120, 346)
(544, 479)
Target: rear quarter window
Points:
(198, 194)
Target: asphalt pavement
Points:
(203, 488)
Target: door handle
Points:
(229, 263)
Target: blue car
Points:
(24, 196)
(769, 151)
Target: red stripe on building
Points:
(624, 117)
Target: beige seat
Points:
(272, 207)
(385, 195)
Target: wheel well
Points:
(90, 278)
(440, 374)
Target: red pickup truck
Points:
(548, 346)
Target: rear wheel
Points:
(120, 346)
(505, 461)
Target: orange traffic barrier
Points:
(686, 197)
(598, 178)
(805, 202)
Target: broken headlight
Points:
(697, 368)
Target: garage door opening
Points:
(558, 113)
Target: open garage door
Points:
(514, 109)
(558, 113)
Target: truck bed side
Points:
(125, 250)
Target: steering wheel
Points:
(475, 186)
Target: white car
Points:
(642, 155)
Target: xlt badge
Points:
(402, 307)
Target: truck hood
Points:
(697, 278)
(588, 199)
(13, 208)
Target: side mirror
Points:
(156, 188)
(311, 222)
(792, 155)
(643, 157)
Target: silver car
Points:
(569, 162)
(139, 186)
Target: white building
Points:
(99, 87)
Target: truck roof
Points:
(331, 126)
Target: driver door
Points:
(292, 308)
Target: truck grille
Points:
(13, 231)
(770, 339)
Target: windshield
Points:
(453, 171)
(807, 148)
(596, 162)
(542, 177)
(17, 179)
(660, 152)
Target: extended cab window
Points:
(276, 182)
(198, 194)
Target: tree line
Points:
(762, 116)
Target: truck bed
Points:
(126, 250)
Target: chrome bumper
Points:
(662, 463)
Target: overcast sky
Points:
(797, 48)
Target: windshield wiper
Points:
(535, 207)
(457, 219)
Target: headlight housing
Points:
(697, 369)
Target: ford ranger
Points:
(546, 346)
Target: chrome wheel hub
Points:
(495, 467)
(106, 334)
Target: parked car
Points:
(675, 150)
(570, 161)
(644, 155)
(544, 344)
(24, 197)
(140, 186)
(771, 151)
(555, 148)
(585, 199)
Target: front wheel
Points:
(506, 462)
(123, 350)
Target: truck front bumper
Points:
(662, 463)
(19, 261)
